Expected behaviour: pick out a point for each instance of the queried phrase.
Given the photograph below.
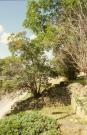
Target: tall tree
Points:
(64, 28)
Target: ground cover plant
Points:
(29, 124)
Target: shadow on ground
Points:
(56, 95)
(67, 115)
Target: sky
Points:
(12, 14)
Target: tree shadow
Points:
(58, 94)
(67, 115)
(55, 95)
(54, 113)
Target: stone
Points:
(79, 99)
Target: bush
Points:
(29, 124)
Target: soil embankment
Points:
(7, 101)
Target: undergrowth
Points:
(29, 124)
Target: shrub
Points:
(29, 124)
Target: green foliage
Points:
(35, 69)
(58, 24)
(11, 69)
(29, 124)
(70, 3)
(40, 14)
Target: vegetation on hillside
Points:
(60, 27)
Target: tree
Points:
(36, 71)
(72, 37)
(65, 31)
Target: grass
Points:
(60, 113)
(63, 114)
(57, 112)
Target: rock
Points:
(81, 74)
(79, 99)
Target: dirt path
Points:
(72, 128)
